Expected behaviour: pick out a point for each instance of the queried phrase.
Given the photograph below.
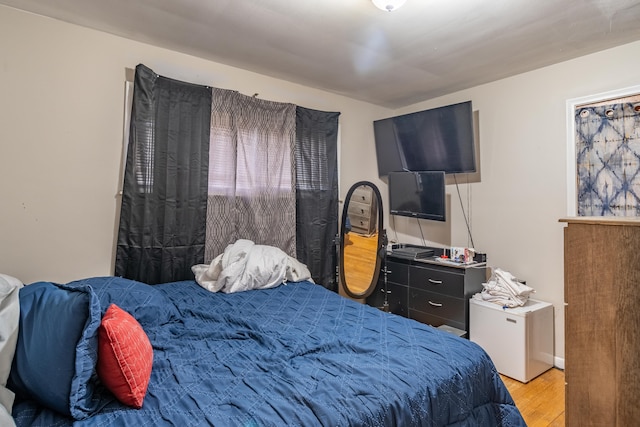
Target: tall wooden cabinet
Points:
(602, 321)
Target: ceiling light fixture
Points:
(388, 5)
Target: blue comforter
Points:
(299, 355)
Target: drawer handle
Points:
(435, 304)
(435, 282)
(511, 320)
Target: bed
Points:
(293, 355)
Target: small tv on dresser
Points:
(417, 194)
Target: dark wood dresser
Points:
(602, 321)
(430, 292)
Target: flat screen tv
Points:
(417, 194)
(439, 139)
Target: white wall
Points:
(61, 108)
(523, 192)
(61, 115)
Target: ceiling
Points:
(425, 49)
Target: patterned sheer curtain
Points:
(251, 190)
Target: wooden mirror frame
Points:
(379, 244)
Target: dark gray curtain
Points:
(317, 193)
(164, 200)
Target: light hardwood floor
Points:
(541, 400)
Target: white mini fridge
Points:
(518, 340)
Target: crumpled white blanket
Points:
(503, 288)
(244, 266)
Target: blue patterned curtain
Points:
(608, 160)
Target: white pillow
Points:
(9, 320)
(6, 420)
(11, 280)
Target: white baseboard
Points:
(558, 362)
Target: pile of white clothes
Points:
(504, 289)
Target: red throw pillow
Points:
(125, 356)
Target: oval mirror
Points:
(361, 240)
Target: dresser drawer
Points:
(439, 305)
(397, 273)
(359, 209)
(436, 321)
(447, 282)
(360, 224)
(362, 195)
(397, 295)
